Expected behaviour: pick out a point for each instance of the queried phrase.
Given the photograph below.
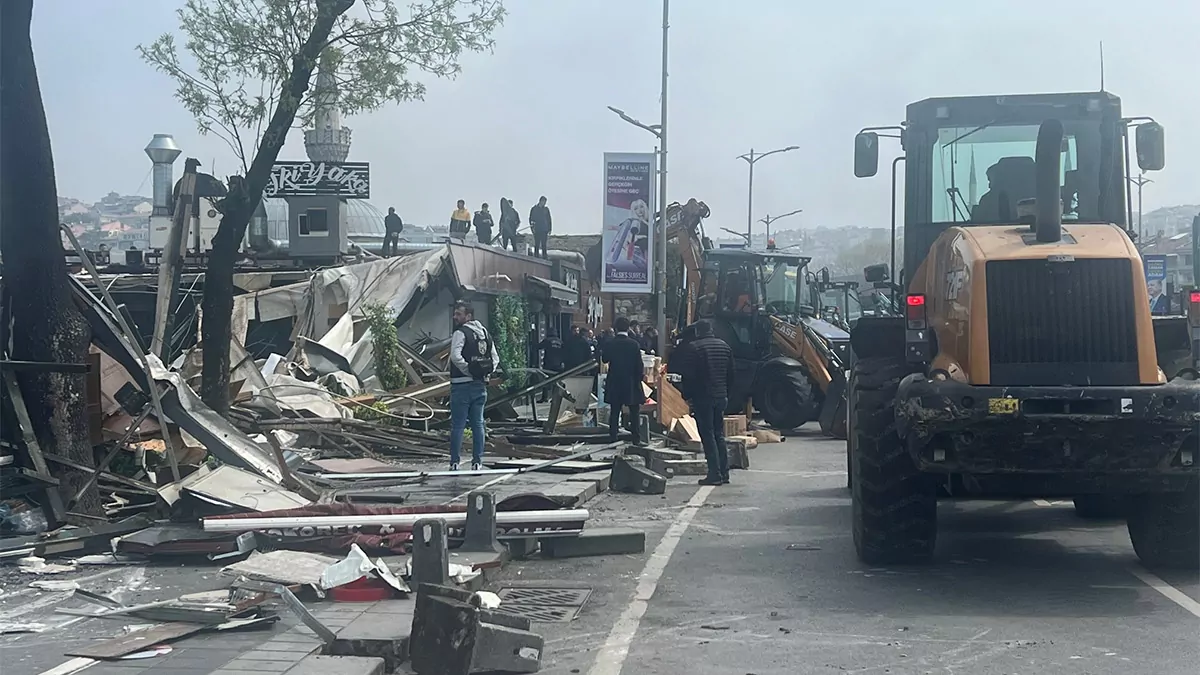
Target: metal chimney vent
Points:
(163, 152)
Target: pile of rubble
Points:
(321, 488)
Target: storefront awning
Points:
(561, 292)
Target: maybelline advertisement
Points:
(628, 216)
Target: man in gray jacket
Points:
(473, 358)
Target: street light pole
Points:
(662, 197)
(768, 220)
(750, 199)
(1140, 181)
(752, 158)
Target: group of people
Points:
(461, 221)
(582, 345)
(703, 364)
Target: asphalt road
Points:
(763, 579)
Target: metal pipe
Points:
(892, 269)
(452, 518)
(389, 475)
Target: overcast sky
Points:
(530, 118)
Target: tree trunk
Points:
(47, 326)
(238, 207)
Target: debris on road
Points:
(320, 485)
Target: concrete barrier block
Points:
(630, 475)
(596, 541)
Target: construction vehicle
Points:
(789, 364)
(1026, 362)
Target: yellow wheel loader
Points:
(1026, 362)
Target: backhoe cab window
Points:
(981, 172)
(781, 287)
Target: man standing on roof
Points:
(539, 222)
(473, 358)
(460, 221)
(483, 225)
(392, 226)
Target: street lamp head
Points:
(791, 147)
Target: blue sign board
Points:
(1156, 267)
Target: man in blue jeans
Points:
(705, 366)
(473, 359)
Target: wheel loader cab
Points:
(1025, 363)
(1004, 305)
(740, 289)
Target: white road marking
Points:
(1167, 590)
(70, 667)
(1043, 502)
(612, 655)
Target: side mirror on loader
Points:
(1151, 147)
(875, 273)
(866, 154)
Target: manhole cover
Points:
(543, 613)
(556, 597)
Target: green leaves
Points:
(386, 346)
(237, 55)
(509, 333)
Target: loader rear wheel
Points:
(1165, 528)
(785, 398)
(895, 505)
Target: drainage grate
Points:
(568, 597)
(543, 613)
(550, 605)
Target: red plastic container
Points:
(364, 589)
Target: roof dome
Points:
(363, 219)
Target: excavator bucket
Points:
(832, 416)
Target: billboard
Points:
(1156, 267)
(627, 243)
(1156, 275)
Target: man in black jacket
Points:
(483, 225)
(539, 222)
(705, 365)
(623, 385)
(392, 227)
(552, 356)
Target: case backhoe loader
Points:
(790, 364)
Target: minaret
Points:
(328, 140)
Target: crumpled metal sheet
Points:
(180, 404)
(184, 407)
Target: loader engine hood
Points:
(1008, 310)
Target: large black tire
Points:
(785, 398)
(1100, 507)
(895, 505)
(1165, 528)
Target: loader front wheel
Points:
(894, 504)
(1165, 528)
